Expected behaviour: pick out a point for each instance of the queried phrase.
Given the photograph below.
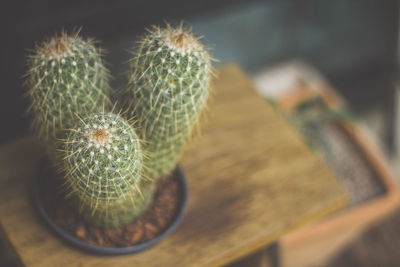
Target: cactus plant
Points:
(99, 154)
(102, 168)
(168, 86)
(66, 77)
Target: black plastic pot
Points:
(72, 240)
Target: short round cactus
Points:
(66, 77)
(168, 86)
(103, 169)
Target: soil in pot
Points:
(156, 219)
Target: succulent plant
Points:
(103, 170)
(168, 86)
(99, 154)
(66, 77)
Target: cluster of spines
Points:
(168, 86)
(66, 77)
(103, 169)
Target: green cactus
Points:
(168, 86)
(99, 153)
(103, 170)
(66, 77)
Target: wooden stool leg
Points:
(8, 255)
(273, 252)
(267, 257)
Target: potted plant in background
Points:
(327, 125)
(117, 189)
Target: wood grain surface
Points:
(251, 179)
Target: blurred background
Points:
(352, 44)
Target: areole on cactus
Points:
(66, 77)
(169, 80)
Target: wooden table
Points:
(251, 179)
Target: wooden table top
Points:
(251, 179)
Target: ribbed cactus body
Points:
(168, 86)
(103, 170)
(121, 212)
(66, 78)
